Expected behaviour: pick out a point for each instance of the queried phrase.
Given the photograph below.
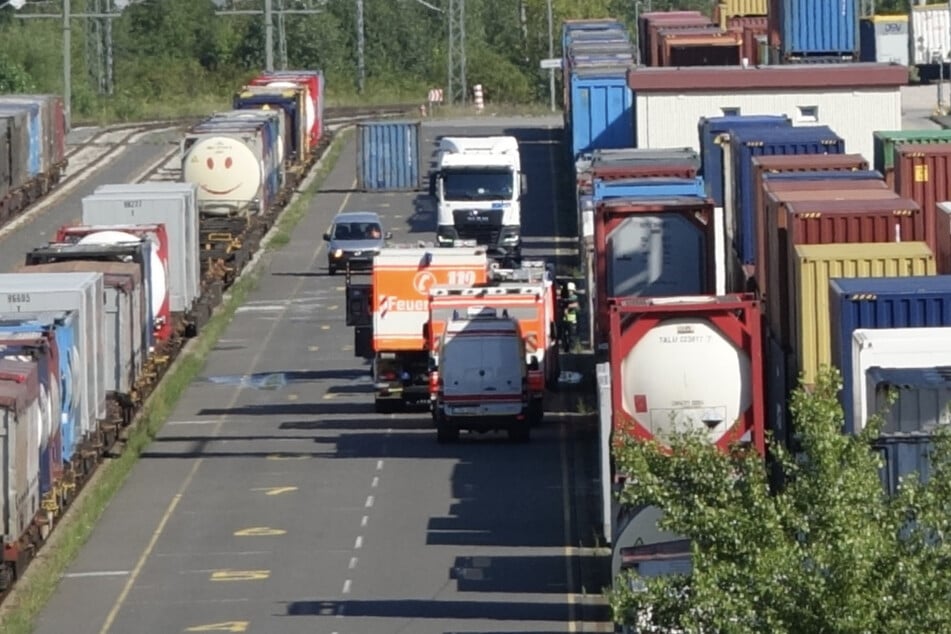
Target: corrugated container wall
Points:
(884, 39)
(711, 154)
(903, 455)
(19, 443)
(884, 142)
(601, 116)
(388, 156)
(922, 173)
(923, 397)
(910, 302)
(816, 28)
(731, 8)
(930, 26)
(815, 265)
(749, 29)
(768, 142)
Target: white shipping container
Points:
(854, 113)
(923, 398)
(886, 38)
(892, 348)
(930, 26)
(171, 204)
(29, 292)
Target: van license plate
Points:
(465, 410)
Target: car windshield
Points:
(477, 185)
(357, 231)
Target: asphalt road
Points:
(65, 207)
(275, 500)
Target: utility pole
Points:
(268, 14)
(281, 37)
(361, 52)
(268, 35)
(458, 91)
(551, 54)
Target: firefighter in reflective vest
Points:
(569, 317)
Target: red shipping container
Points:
(922, 174)
(781, 163)
(777, 242)
(651, 47)
(694, 363)
(661, 169)
(699, 47)
(161, 310)
(313, 82)
(673, 255)
(748, 27)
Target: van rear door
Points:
(503, 367)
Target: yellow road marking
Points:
(275, 490)
(292, 397)
(313, 348)
(229, 626)
(284, 456)
(240, 575)
(259, 531)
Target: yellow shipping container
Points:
(816, 264)
(729, 8)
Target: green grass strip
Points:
(34, 591)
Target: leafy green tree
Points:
(13, 78)
(830, 552)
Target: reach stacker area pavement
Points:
(275, 500)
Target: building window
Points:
(808, 114)
(730, 112)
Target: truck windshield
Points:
(478, 185)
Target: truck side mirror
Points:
(524, 183)
(533, 363)
(432, 184)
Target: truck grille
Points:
(481, 225)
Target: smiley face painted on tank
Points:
(224, 169)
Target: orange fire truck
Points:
(399, 304)
(528, 296)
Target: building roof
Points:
(756, 78)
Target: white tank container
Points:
(229, 170)
(261, 115)
(684, 375)
(891, 348)
(28, 292)
(153, 202)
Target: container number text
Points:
(18, 298)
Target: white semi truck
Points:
(478, 186)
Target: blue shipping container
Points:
(818, 28)
(388, 156)
(648, 188)
(711, 156)
(601, 111)
(768, 141)
(65, 335)
(825, 175)
(906, 302)
(34, 128)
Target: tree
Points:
(828, 552)
(12, 77)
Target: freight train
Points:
(91, 321)
(745, 267)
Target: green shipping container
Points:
(884, 142)
(816, 264)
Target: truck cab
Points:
(482, 381)
(478, 185)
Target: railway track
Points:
(226, 252)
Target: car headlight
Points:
(338, 253)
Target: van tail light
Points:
(435, 383)
(388, 376)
